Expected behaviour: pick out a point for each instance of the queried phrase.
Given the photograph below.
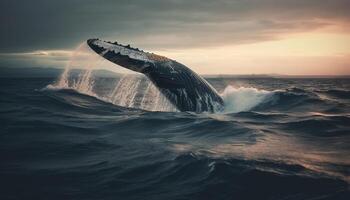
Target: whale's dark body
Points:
(181, 86)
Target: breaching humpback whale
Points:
(185, 89)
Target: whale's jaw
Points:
(180, 85)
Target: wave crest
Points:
(244, 99)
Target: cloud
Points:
(42, 58)
(153, 24)
(46, 53)
(58, 55)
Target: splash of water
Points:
(154, 100)
(125, 92)
(85, 83)
(130, 90)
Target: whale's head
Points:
(126, 56)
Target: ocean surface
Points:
(278, 138)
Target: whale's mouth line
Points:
(103, 47)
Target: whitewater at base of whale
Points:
(136, 91)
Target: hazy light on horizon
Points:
(296, 54)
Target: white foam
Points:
(243, 99)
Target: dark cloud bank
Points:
(42, 24)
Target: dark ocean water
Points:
(292, 141)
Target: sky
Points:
(292, 37)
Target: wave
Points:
(244, 99)
(336, 93)
(236, 100)
(293, 99)
(75, 102)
